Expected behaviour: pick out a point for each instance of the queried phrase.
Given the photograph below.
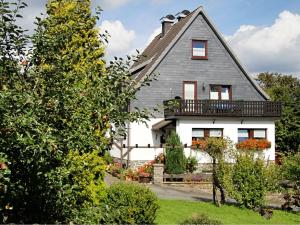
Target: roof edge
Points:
(234, 56)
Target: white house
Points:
(216, 96)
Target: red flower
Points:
(253, 144)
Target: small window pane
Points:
(199, 48)
(243, 134)
(197, 133)
(214, 93)
(259, 134)
(225, 93)
(215, 132)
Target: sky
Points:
(264, 34)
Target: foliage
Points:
(199, 144)
(75, 184)
(291, 167)
(146, 169)
(63, 99)
(216, 147)
(201, 219)
(285, 89)
(160, 158)
(253, 144)
(175, 158)
(290, 171)
(108, 158)
(129, 204)
(250, 181)
(191, 164)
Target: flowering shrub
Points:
(199, 144)
(146, 169)
(253, 144)
(160, 158)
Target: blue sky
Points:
(265, 34)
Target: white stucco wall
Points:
(230, 130)
(143, 135)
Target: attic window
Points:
(199, 49)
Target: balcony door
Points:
(189, 95)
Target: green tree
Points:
(65, 102)
(215, 147)
(175, 158)
(285, 89)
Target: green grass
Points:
(175, 211)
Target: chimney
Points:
(166, 24)
(182, 14)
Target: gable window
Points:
(199, 49)
(202, 133)
(244, 134)
(220, 92)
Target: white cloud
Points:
(121, 40)
(270, 48)
(156, 32)
(112, 4)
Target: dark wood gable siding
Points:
(178, 66)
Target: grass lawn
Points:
(174, 211)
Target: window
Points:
(197, 134)
(244, 134)
(190, 90)
(199, 49)
(201, 133)
(220, 92)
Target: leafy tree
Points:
(65, 102)
(285, 89)
(250, 179)
(175, 158)
(215, 147)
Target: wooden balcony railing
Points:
(179, 107)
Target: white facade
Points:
(143, 135)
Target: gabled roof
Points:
(160, 46)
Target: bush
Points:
(201, 219)
(191, 164)
(290, 167)
(175, 158)
(250, 180)
(76, 184)
(129, 204)
(108, 158)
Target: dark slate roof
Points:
(159, 47)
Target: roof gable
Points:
(159, 48)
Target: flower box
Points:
(253, 144)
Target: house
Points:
(216, 96)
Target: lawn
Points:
(174, 211)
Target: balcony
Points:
(223, 108)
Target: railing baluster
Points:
(222, 108)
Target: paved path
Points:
(164, 192)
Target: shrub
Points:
(129, 204)
(250, 180)
(201, 219)
(191, 164)
(290, 167)
(175, 158)
(75, 184)
(108, 158)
